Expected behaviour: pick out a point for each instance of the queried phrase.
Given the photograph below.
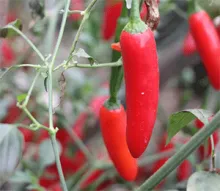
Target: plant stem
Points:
(155, 157)
(86, 175)
(85, 18)
(75, 12)
(57, 157)
(24, 104)
(135, 13)
(94, 65)
(28, 41)
(63, 24)
(31, 117)
(50, 97)
(213, 153)
(80, 144)
(181, 155)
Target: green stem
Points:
(94, 65)
(19, 66)
(80, 144)
(24, 104)
(50, 96)
(31, 117)
(28, 41)
(57, 157)
(135, 13)
(75, 12)
(155, 157)
(63, 24)
(86, 176)
(117, 73)
(50, 34)
(86, 14)
(181, 155)
(115, 82)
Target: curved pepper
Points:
(113, 127)
(208, 45)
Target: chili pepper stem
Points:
(135, 24)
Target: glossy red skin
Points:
(76, 5)
(189, 45)
(112, 12)
(208, 45)
(113, 127)
(203, 154)
(184, 170)
(141, 72)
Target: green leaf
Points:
(204, 181)
(46, 154)
(7, 31)
(21, 97)
(179, 120)
(80, 53)
(11, 144)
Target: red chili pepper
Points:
(139, 55)
(202, 149)
(8, 55)
(184, 170)
(189, 45)
(208, 45)
(113, 127)
(112, 12)
(76, 5)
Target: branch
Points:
(182, 154)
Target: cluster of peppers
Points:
(127, 134)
